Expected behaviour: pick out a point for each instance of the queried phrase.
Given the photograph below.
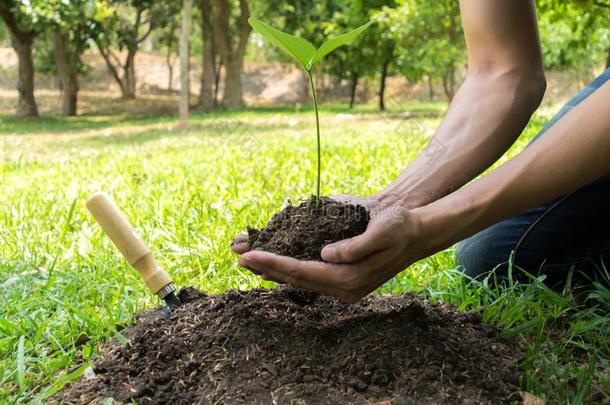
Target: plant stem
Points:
(315, 104)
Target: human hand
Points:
(352, 268)
(241, 244)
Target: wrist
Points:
(448, 220)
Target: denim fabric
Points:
(570, 232)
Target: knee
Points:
(480, 255)
(467, 256)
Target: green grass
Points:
(188, 194)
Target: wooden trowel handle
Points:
(133, 248)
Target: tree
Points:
(211, 65)
(187, 16)
(385, 51)
(575, 34)
(4, 36)
(131, 24)
(24, 24)
(73, 23)
(232, 38)
(430, 40)
(67, 58)
(356, 62)
(310, 20)
(372, 55)
(168, 41)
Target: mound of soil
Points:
(301, 232)
(288, 346)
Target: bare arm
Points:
(573, 153)
(503, 87)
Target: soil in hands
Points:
(302, 231)
(285, 346)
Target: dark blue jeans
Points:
(569, 233)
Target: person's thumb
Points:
(357, 248)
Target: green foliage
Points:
(429, 37)
(304, 18)
(31, 15)
(374, 48)
(334, 42)
(79, 22)
(166, 36)
(129, 21)
(307, 56)
(4, 35)
(575, 34)
(316, 21)
(300, 49)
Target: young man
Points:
(555, 193)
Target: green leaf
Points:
(21, 362)
(300, 49)
(333, 43)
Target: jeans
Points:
(569, 233)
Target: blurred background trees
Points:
(130, 24)
(23, 23)
(575, 33)
(74, 26)
(419, 40)
(430, 41)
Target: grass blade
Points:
(21, 362)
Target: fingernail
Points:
(330, 252)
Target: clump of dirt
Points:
(302, 231)
(279, 346)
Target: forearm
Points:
(487, 114)
(573, 153)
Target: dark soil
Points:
(301, 232)
(286, 346)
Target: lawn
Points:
(64, 288)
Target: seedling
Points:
(307, 57)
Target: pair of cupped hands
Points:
(352, 268)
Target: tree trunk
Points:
(384, 75)
(217, 81)
(126, 81)
(449, 82)
(25, 85)
(185, 30)
(232, 97)
(608, 60)
(67, 71)
(22, 43)
(353, 87)
(430, 88)
(449, 76)
(305, 91)
(232, 51)
(170, 69)
(207, 98)
(446, 85)
(106, 54)
(128, 89)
